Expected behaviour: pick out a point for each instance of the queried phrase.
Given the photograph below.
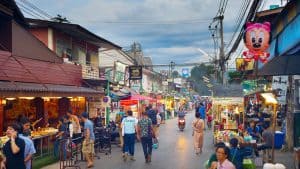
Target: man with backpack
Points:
(152, 115)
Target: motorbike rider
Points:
(181, 115)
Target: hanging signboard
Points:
(135, 72)
(185, 72)
(280, 83)
(241, 65)
(119, 72)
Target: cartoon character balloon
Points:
(257, 37)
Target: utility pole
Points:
(222, 53)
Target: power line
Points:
(36, 14)
(35, 8)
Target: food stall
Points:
(137, 104)
(227, 115)
(48, 109)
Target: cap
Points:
(85, 115)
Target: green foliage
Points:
(235, 77)
(42, 162)
(196, 77)
(175, 74)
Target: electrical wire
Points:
(31, 11)
(240, 23)
(37, 9)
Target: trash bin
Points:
(279, 139)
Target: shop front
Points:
(227, 116)
(137, 104)
(43, 105)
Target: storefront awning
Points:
(18, 89)
(115, 96)
(282, 65)
(141, 97)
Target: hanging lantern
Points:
(257, 38)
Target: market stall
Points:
(137, 104)
(227, 115)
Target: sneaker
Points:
(132, 158)
(149, 158)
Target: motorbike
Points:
(181, 124)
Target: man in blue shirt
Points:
(202, 112)
(89, 139)
(29, 146)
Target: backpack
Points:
(152, 115)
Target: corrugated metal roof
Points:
(37, 88)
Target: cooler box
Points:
(279, 139)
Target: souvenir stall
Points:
(227, 115)
(137, 104)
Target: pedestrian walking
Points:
(145, 134)
(158, 118)
(152, 115)
(14, 148)
(198, 127)
(29, 146)
(89, 139)
(202, 112)
(129, 127)
(119, 117)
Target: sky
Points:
(168, 30)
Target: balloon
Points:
(257, 37)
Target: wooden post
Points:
(274, 128)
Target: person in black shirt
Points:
(14, 148)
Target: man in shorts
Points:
(89, 139)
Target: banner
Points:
(242, 65)
(135, 72)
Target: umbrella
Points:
(282, 65)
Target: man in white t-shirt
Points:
(129, 125)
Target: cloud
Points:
(167, 29)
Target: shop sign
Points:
(178, 81)
(280, 84)
(185, 72)
(105, 99)
(241, 65)
(135, 72)
(228, 100)
(165, 83)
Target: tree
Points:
(175, 74)
(197, 73)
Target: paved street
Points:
(175, 151)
